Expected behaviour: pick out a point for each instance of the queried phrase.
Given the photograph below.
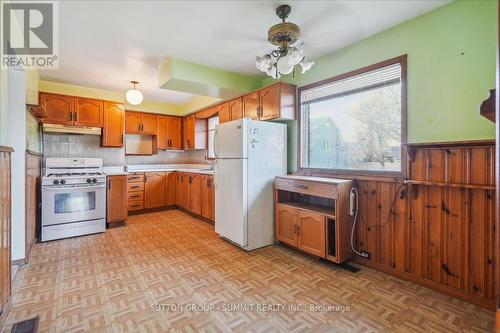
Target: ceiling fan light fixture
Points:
(286, 37)
(306, 65)
(134, 96)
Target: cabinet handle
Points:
(122, 138)
(109, 184)
(76, 116)
(71, 116)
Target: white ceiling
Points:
(105, 44)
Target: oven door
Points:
(73, 203)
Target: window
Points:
(354, 122)
(212, 121)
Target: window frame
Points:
(402, 60)
(208, 136)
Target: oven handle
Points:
(69, 188)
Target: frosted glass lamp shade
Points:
(134, 97)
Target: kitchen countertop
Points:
(192, 168)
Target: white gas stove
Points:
(73, 198)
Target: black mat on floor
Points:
(26, 326)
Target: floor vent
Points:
(26, 326)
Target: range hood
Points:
(54, 128)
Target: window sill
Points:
(392, 176)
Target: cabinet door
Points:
(206, 204)
(59, 108)
(155, 190)
(171, 179)
(162, 132)
(178, 195)
(175, 133)
(117, 198)
(224, 112)
(270, 102)
(114, 125)
(88, 112)
(286, 224)
(311, 233)
(195, 193)
(185, 191)
(149, 124)
(188, 128)
(133, 122)
(212, 198)
(236, 108)
(250, 105)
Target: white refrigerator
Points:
(248, 155)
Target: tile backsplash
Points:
(71, 145)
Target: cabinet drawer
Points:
(136, 196)
(135, 205)
(135, 187)
(305, 187)
(135, 177)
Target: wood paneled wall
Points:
(440, 232)
(33, 184)
(5, 229)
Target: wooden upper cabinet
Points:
(162, 132)
(149, 124)
(169, 132)
(59, 108)
(270, 102)
(224, 112)
(133, 121)
(236, 108)
(140, 123)
(88, 112)
(114, 125)
(155, 190)
(116, 198)
(175, 131)
(195, 193)
(311, 233)
(250, 105)
(188, 130)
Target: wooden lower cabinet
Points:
(195, 193)
(135, 191)
(311, 230)
(5, 228)
(171, 180)
(192, 192)
(182, 191)
(207, 197)
(117, 199)
(286, 224)
(33, 183)
(155, 189)
(302, 229)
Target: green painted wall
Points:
(451, 67)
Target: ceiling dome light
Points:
(285, 36)
(134, 96)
